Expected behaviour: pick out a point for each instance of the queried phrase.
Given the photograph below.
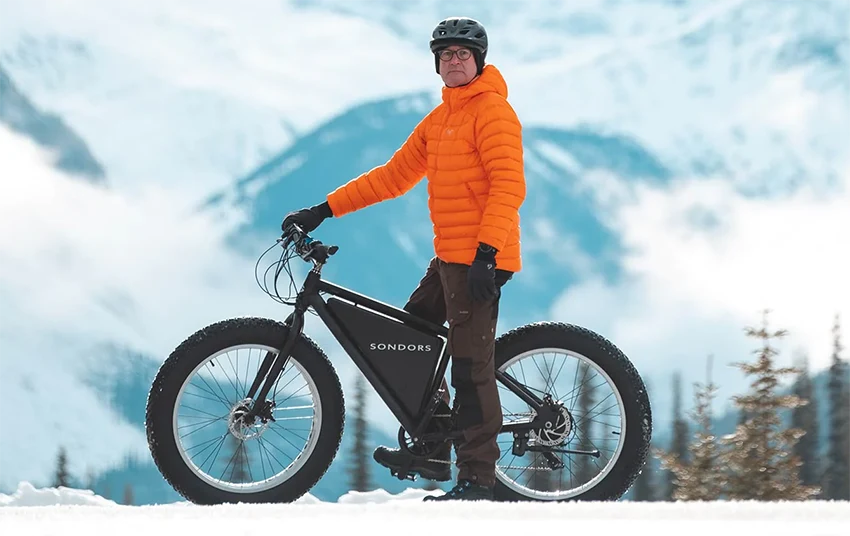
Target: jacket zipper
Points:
(474, 198)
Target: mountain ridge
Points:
(49, 131)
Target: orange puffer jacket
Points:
(470, 148)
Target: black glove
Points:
(308, 218)
(482, 274)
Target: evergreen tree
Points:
(128, 494)
(584, 468)
(701, 479)
(61, 476)
(644, 486)
(359, 470)
(760, 461)
(836, 480)
(90, 478)
(679, 442)
(236, 468)
(232, 461)
(805, 417)
(540, 473)
(845, 410)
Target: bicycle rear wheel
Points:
(604, 412)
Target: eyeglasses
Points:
(462, 54)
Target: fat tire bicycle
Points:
(559, 444)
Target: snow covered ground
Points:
(51, 511)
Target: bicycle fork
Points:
(271, 367)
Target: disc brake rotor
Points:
(241, 429)
(557, 434)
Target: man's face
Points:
(457, 66)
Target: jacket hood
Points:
(490, 80)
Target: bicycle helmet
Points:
(460, 31)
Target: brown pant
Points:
(442, 295)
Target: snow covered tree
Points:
(61, 476)
(760, 461)
(359, 470)
(836, 479)
(702, 478)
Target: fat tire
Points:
(626, 380)
(206, 342)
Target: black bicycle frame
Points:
(419, 349)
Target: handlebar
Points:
(307, 247)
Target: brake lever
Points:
(287, 238)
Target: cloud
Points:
(82, 267)
(121, 264)
(702, 262)
(218, 90)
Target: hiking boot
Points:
(464, 491)
(402, 464)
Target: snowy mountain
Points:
(373, 242)
(72, 154)
(218, 88)
(756, 91)
(672, 147)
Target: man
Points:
(470, 148)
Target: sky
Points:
(220, 89)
